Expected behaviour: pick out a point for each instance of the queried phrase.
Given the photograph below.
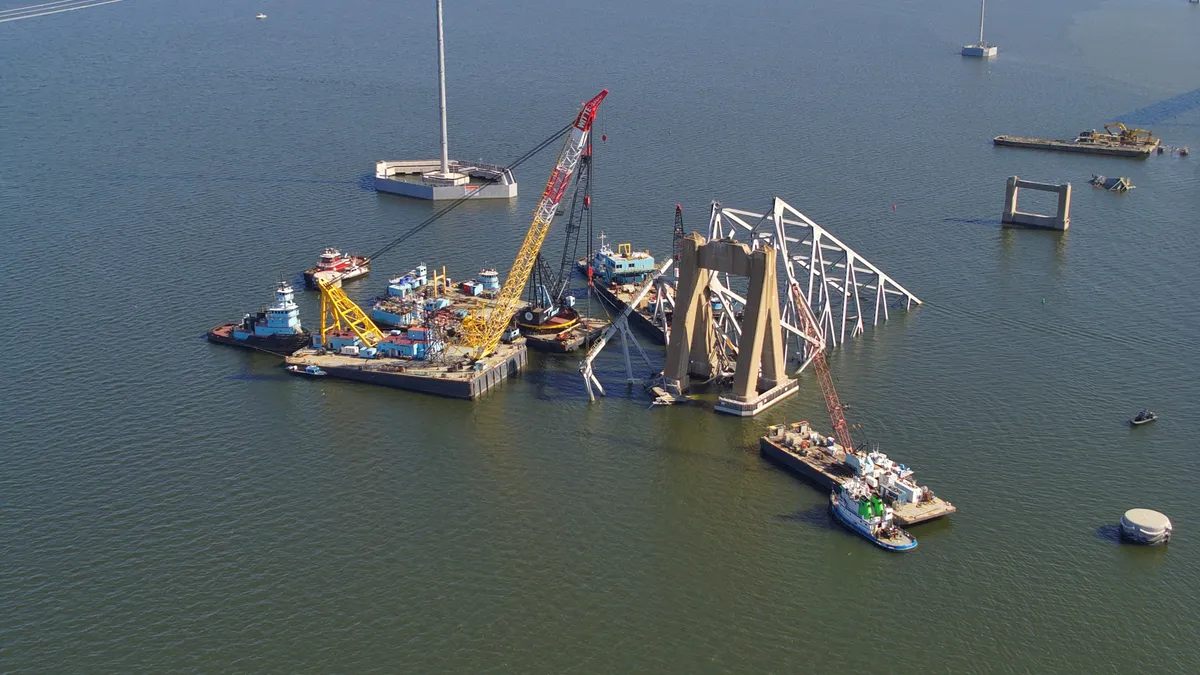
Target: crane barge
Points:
(833, 461)
(550, 320)
(461, 348)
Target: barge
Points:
(617, 277)
(799, 449)
(424, 311)
(275, 329)
(1089, 142)
(576, 332)
(453, 375)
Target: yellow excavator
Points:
(1126, 136)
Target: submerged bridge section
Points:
(842, 288)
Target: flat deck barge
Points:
(1093, 148)
(639, 317)
(454, 376)
(828, 470)
(579, 336)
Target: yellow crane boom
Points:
(482, 330)
(338, 310)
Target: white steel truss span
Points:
(843, 289)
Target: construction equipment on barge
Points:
(833, 461)
(483, 330)
(550, 321)
(621, 324)
(1117, 140)
(350, 345)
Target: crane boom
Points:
(483, 330)
(813, 334)
(341, 309)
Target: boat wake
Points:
(48, 8)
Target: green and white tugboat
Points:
(856, 506)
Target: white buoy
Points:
(1144, 526)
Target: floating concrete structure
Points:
(980, 49)
(760, 377)
(444, 178)
(1144, 526)
(1060, 221)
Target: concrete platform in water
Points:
(783, 446)
(1092, 148)
(454, 376)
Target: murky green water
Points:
(170, 505)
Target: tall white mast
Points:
(982, 7)
(442, 86)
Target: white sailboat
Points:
(980, 48)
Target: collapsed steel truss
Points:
(842, 288)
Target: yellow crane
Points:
(483, 329)
(338, 312)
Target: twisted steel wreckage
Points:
(829, 294)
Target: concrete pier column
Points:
(1010, 200)
(1064, 206)
(760, 365)
(702, 361)
(754, 324)
(692, 289)
(774, 364)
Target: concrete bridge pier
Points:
(1011, 216)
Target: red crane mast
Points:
(812, 332)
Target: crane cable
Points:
(459, 202)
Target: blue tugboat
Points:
(275, 329)
(307, 371)
(854, 505)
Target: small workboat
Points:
(856, 507)
(260, 15)
(337, 266)
(1143, 417)
(307, 371)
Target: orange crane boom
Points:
(812, 333)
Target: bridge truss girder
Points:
(842, 288)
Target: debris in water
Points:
(1121, 184)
